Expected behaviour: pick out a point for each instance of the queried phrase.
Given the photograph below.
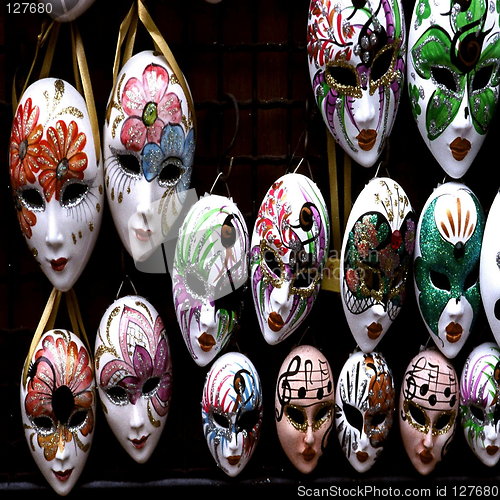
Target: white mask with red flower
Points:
(377, 251)
(134, 374)
(58, 407)
(149, 145)
(56, 180)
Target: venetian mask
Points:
(58, 407)
(231, 410)
(289, 248)
(65, 10)
(428, 407)
(479, 402)
(134, 374)
(304, 406)
(453, 77)
(377, 252)
(56, 180)
(148, 150)
(446, 267)
(489, 268)
(210, 268)
(364, 408)
(356, 53)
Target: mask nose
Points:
(54, 238)
(62, 453)
(145, 199)
(137, 415)
(463, 120)
(365, 111)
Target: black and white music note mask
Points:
(428, 407)
(364, 407)
(304, 406)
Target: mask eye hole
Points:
(44, 424)
(444, 77)
(32, 199)
(443, 421)
(482, 78)
(381, 64)
(417, 414)
(472, 278)
(77, 419)
(353, 416)
(305, 278)
(129, 164)
(171, 172)
(440, 280)
(150, 385)
(340, 76)
(295, 415)
(73, 194)
(378, 419)
(221, 420)
(248, 420)
(228, 232)
(117, 394)
(497, 309)
(496, 413)
(322, 414)
(478, 412)
(272, 263)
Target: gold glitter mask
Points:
(418, 418)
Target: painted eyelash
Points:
(83, 209)
(115, 174)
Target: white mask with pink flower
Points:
(56, 179)
(149, 145)
(134, 374)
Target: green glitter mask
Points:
(447, 254)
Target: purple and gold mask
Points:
(289, 248)
(356, 64)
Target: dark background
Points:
(252, 51)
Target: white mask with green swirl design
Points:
(453, 77)
(210, 268)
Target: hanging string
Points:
(46, 323)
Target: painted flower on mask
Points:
(145, 365)
(25, 144)
(60, 394)
(62, 158)
(27, 219)
(149, 108)
(175, 153)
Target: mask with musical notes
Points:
(428, 407)
(289, 248)
(446, 267)
(376, 255)
(134, 374)
(58, 407)
(304, 406)
(454, 78)
(209, 274)
(364, 408)
(356, 54)
(231, 410)
(480, 402)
